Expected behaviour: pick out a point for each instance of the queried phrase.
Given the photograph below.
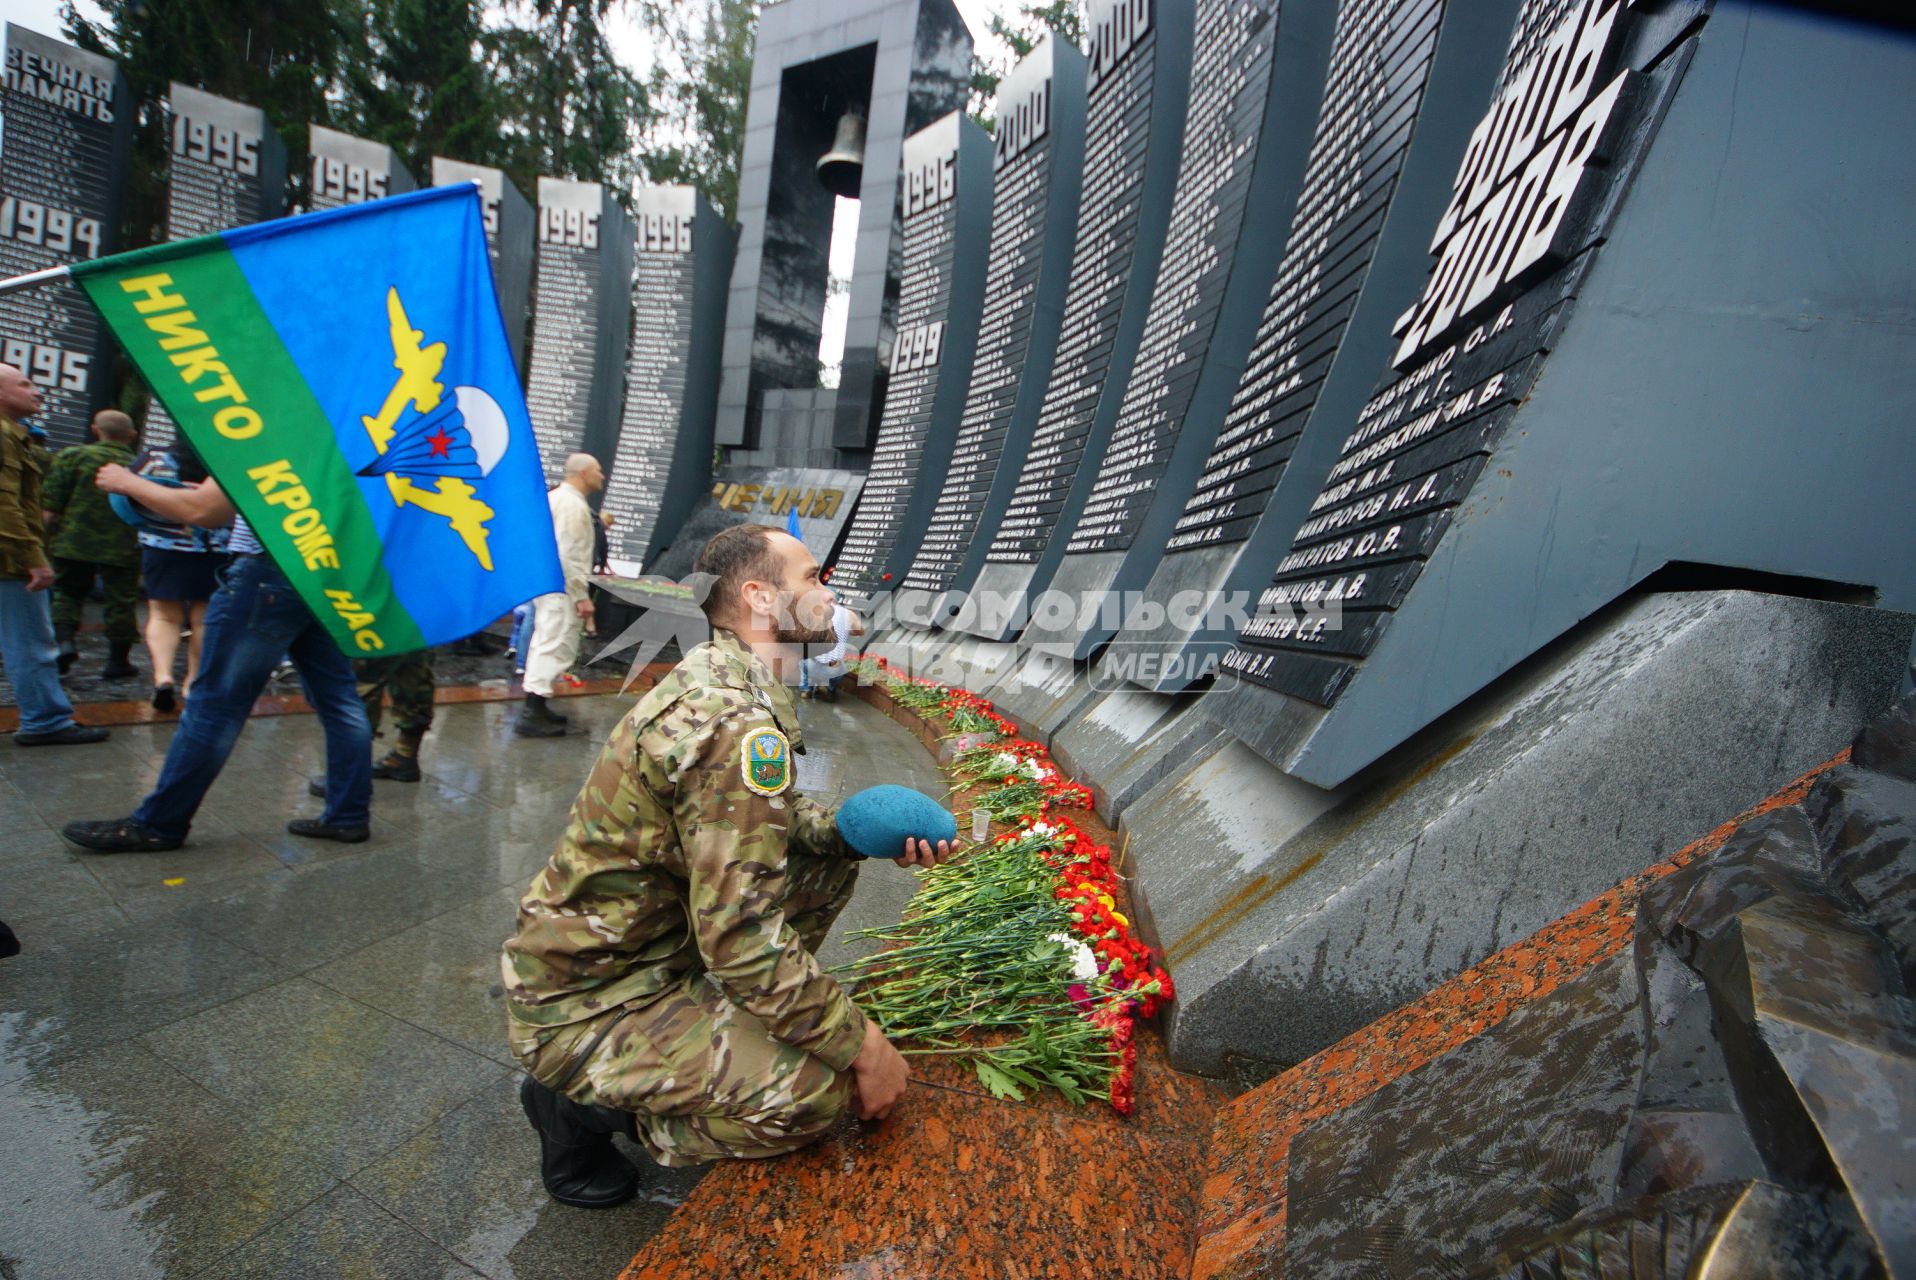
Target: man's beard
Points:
(796, 634)
(791, 628)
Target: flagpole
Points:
(33, 279)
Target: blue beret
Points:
(140, 516)
(877, 821)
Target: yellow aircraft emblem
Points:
(418, 385)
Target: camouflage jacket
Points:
(674, 861)
(22, 542)
(87, 529)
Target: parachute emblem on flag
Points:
(448, 439)
(465, 435)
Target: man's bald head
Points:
(111, 424)
(583, 472)
(19, 398)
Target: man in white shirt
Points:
(558, 616)
(821, 676)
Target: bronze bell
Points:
(843, 167)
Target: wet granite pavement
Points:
(265, 1056)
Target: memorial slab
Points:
(581, 307)
(1356, 256)
(660, 464)
(945, 196)
(1037, 162)
(1256, 78)
(509, 231)
(1138, 83)
(63, 166)
(226, 167)
(822, 501)
(1125, 741)
(1040, 691)
(343, 170)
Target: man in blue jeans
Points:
(27, 647)
(254, 620)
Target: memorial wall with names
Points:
(1254, 74)
(580, 309)
(1356, 256)
(1137, 78)
(660, 466)
(509, 236)
(63, 163)
(1037, 163)
(225, 167)
(1510, 249)
(945, 205)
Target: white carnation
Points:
(1084, 965)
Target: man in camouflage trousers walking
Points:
(89, 541)
(408, 678)
(661, 982)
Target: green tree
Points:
(419, 83)
(283, 56)
(567, 106)
(700, 87)
(1033, 22)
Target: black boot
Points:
(536, 720)
(69, 646)
(117, 667)
(577, 1161)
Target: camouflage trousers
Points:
(73, 579)
(408, 678)
(703, 1078)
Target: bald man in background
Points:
(559, 616)
(89, 542)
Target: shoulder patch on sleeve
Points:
(765, 761)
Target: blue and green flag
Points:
(345, 375)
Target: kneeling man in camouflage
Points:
(662, 982)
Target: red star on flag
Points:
(440, 442)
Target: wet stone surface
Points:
(1411, 1183)
(264, 1056)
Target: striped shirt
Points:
(243, 541)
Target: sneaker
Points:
(165, 697)
(397, 767)
(317, 829)
(74, 735)
(118, 835)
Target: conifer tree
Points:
(1065, 18)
